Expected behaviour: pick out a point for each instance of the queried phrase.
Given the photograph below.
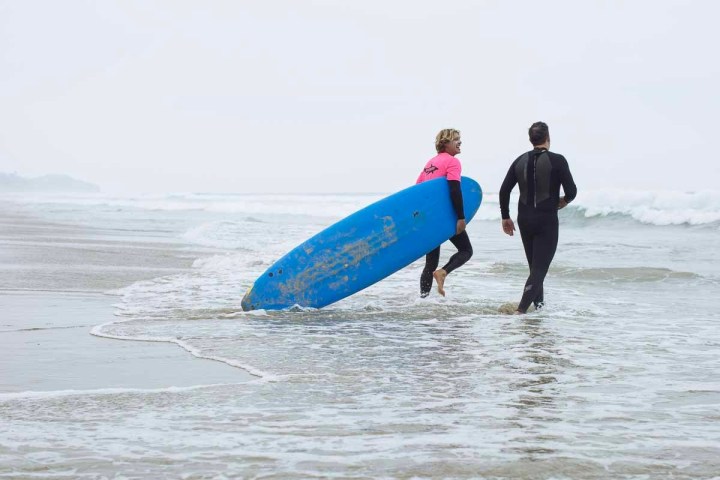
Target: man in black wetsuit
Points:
(539, 173)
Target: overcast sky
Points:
(332, 96)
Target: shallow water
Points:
(617, 377)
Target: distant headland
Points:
(12, 182)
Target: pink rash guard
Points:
(442, 165)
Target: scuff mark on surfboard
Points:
(349, 256)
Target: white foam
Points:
(650, 207)
(228, 262)
(97, 331)
(217, 234)
(320, 205)
(103, 391)
(656, 208)
(663, 207)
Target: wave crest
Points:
(649, 207)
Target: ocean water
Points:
(618, 377)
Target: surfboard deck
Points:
(363, 248)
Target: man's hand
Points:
(460, 227)
(562, 203)
(508, 226)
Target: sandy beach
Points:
(57, 282)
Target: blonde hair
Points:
(445, 136)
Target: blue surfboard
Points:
(363, 248)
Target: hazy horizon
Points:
(251, 97)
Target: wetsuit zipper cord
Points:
(535, 181)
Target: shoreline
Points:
(46, 346)
(55, 287)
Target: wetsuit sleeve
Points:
(507, 186)
(456, 198)
(567, 182)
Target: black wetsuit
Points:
(539, 174)
(461, 242)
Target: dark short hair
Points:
(539, 133)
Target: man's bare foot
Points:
(507, 308)
(439, 276)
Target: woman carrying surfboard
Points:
(445, 164)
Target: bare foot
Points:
(439, 276)
(507, 308)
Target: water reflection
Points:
(534, 391)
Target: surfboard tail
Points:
(246, 303)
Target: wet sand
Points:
(59, 281)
